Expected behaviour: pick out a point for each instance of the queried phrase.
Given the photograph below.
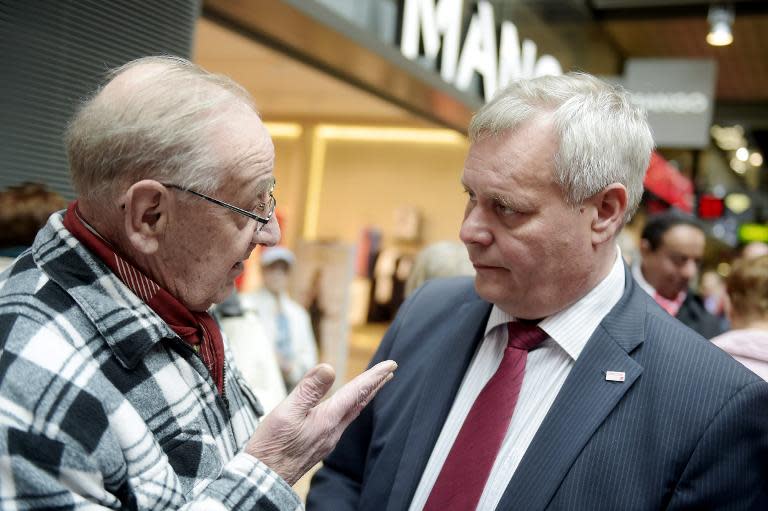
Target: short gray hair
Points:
(603, 137)
(156, 130)
(440, 259)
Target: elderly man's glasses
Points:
(262, 214)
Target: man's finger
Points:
(312, 388)
(352, 397)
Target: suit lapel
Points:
(582, 405)
(437, 392)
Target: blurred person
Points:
(747, 342)
(116, 387)
(439, 259)
(671, 248)
(555, 381)
(252, 351)
(286, 322)
(712, 292)
(754, 249)
(24, 209)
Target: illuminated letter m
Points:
(432, 20)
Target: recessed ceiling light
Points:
(720, 20)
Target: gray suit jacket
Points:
(688, 429)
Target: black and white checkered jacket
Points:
(103, 406)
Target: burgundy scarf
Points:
(198, 329)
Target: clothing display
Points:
(104, 403)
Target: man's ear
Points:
(146, 205)
(610, 206)
(645, 248)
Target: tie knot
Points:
(524, 336)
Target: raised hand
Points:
(301, 430)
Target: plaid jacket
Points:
(103, 406)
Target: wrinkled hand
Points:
(300, 431)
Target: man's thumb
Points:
(313, 387)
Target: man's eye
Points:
(505, 210)
(470, 195)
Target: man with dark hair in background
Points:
(671, 248)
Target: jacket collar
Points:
(586, 399)
(129, 327)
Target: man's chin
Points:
(225, 292)
(490, 291)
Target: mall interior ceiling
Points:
(598, 36)
(676, 29)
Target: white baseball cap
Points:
(273, 254)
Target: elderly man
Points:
(554, 382)
(116, 388)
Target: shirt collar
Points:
(637, 273)
(572, 327)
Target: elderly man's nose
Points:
(269, 235)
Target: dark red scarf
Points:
(198, 329)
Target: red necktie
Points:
(468, 465)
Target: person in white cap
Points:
(285, 320)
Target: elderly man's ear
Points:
(610, 205)
(146, 205)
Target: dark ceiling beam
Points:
(605, 10)
(752, 115)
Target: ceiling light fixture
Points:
(720, 20)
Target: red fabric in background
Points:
(667, 183)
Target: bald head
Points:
(154, 119)
(132, 77)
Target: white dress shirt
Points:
(546, 370)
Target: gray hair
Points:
(440, 259)
(603, 137)
(158, 128)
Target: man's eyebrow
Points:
(502, 199)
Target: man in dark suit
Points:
(554, 382)
(672, 246)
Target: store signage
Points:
(678, 95)
(438, 25)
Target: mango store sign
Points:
(678, 95)
(438, 24)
